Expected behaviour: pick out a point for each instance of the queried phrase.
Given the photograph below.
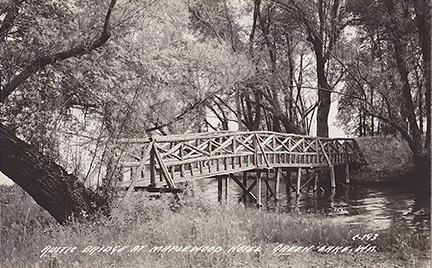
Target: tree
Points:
(272, 97)
(323, 22)
(86, 95)
(30, 43)
(392, 33)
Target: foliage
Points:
(389, 159)
(79, 76)
(151, 73)
(389, 81)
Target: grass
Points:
(27, 230)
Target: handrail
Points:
(216, 153)
(218, 134)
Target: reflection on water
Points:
(374, 206)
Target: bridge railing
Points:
(183, 157)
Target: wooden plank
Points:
(253, 185)
(171, 151)
(262, 151)
(164, 169)
(196, 149)
(299, 142)
(244, 144)
(223, 145)
(309, 180)
(136, 175)
(245, 190)
(324, 152)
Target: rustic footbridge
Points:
(159, 163)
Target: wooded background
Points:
(77, 76)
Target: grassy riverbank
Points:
(196, 233)
(389, 159)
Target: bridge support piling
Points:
(245, 185)
(217, 155)
(220, 190)
(298, 181)
(316, 181)
(277, 182)
(332, 177)
(259, 203)
(267, 183)
(152, 168)
(269, 190)
(347, 175)
(223, 189)
(226, 182)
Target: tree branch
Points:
(41, 62)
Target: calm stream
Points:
(375, 206)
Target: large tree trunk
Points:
(48, 183)
(422, 10)
(323, 91)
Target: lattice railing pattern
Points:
(183, 157)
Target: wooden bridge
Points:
(158, 164)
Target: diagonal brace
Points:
(248, 190)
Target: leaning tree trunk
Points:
(60, 193)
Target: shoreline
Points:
(163, 233)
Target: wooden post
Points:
(152, 168)
(277, 181)
(267, 185)
(259, 188)
(181, 152)
(332, 177)
(226, 182)
(298, 181)
(347, 175)
(316, 181)
(220, 190)
(347, 188)
(288, 182)
(245, 185)
(255, 147)
(233, 164)
(171, 169)
(132, 171)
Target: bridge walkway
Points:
(158, 164)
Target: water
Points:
(377, 207)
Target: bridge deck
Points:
(165, 160)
